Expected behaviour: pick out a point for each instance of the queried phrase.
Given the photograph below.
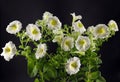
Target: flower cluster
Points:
(60, 52)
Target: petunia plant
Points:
(60, 53)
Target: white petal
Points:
(82, 43)
(46, 15)
(41, 51)
(9, 51)
(73, 65)
(90, 29)
(67, 43)
(113, 25)
(58, 38)
(78, 27)
(75, 18)
(101, 31)
(33, 32)
(14, 27)
(54, 23)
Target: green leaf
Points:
(101, 79)
(21, 47)
(45, 68)
(98, 60)
(23, 53)
(36, 80)
(32, 68)
(50, 73)
(95, 75)
(80, 53)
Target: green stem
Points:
(41, 75)
(89, 71)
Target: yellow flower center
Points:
(14, 27)
(80, 25)
(41, 50)
(34, 31)
(7, 50)
(101, 30)
(67, 42)
(53, 22)
(112, 25)
(82, 42)
(74, 65)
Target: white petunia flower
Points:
(67, 43)
(9, 51)
(58, 38)
(41, 51)
(46, 15)
(58, 35)
(75, 18)
(33, 32)
(54, 23)
(14, 27)
(90, 29)
(113, 25)
(73, 65)
(82, 43)
(78, 27)
(101, 31)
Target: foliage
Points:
(51, 67)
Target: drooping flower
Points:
(90, 29)
(113, 25)
(33, 32)
(14, 27)
(9, 51)
(73, 65)
(41, 51)
(82, 43)
(67, 43)
(58, 36)
(78, 27)
(101, 31)
(54, 23)
(46, 15)
(75, 18)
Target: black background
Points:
(28, 11)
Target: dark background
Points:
(28, 11)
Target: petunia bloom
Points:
(73, 65)
(9, 51)
(14, 27)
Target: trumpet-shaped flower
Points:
(67, 43)
(54, 23)
(9, 51)
(58, 38)
(33, 32)
(73, 65)
(75, 18)
(78, 27)
(113, 25)
(41, 51)
(14, 27)
(46, 15)
(90, 29)
(82, 43)
(101, 31)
